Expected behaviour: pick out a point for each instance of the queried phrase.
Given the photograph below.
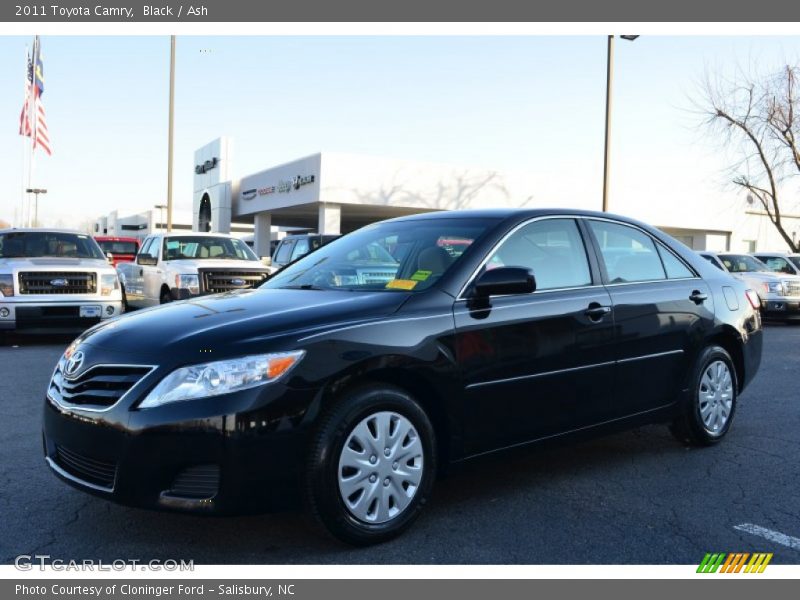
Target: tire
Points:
(392, 493)
(165, 297)
(707, 411)
(125, 307)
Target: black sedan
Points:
(349, 383)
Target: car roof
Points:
(192, 234)
(516, 214)
(115, 238)
(42, 230)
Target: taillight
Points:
(753, 298)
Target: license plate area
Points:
(90, 312)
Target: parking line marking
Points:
(773, 536)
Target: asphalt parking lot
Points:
(638, 497)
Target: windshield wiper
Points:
(305, 286)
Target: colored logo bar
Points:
(734, 562)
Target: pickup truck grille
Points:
(101, 386)
(792, 288)
(214, 282)
(57, 282)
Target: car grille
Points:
(792, 288)
(101, 386)
(214, 282)
(201, 481)
(90, 470)
(57, 282)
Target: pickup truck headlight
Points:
(188, 282)
(774, 287)
(7, 285)
(221, 377)
(108, 283)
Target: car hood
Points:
(234, 323)
(50, 262)
(222, 264)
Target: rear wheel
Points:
(371, 465)
(165, 296)
(707, 411)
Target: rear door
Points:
(662, 312)
(134, 277)
(535, 365)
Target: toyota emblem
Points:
(74, 363)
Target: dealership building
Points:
(333, 193)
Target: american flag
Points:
(32, 121)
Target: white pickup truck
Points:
(54, 281)
(178, 266)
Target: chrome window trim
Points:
(100, 488)
(77, 407)
(460, 295)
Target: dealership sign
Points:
(284, 186)
(205, 167)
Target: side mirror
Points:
(146, 259)
(505, 280)
(110, 258)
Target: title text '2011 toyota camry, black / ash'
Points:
(352, 375)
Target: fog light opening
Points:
(109, 310)
(4, 312)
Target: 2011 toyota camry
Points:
(352, 375)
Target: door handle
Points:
(596, 312)
(698, 297)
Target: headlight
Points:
(108, 283)
(7, 285)
(221, 377)
(188, 282)
(775, 287)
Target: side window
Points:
(300, 248)
(146, 246)
(629, 254)
(284, 252)
(673, 265)
(552, 248)
(776, 263)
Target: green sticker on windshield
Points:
(421, 275)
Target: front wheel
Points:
(166, 297)
(371, 465)
(707, 412)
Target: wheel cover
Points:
(715, 396)
(380, 467)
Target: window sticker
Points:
(421, 275)
(401, 284)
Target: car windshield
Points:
(38, 244)
(195, 247)
(741, 263)
(392, 256)
(117, 246)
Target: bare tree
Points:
(757, 118)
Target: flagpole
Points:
(33, 118)
(21, 220)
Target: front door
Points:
(535, 365)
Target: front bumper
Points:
(55, 316)
(781, 308)
(230, 454)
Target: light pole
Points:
(609, 81)
(161, 207)
(36, 192)
(171, 130)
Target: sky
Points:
(531, 104)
